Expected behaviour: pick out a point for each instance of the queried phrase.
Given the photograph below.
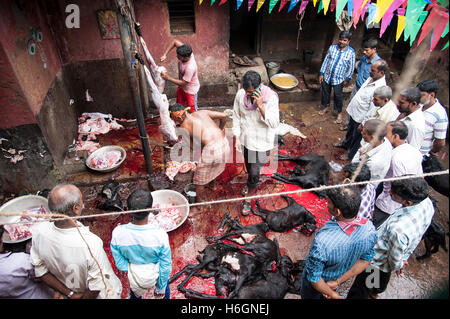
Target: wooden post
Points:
(132, 65)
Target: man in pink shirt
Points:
(188, 84)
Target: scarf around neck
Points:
(266, 92)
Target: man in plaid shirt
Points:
(336, 71)
(398, 236)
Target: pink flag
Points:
(303, 6)
(222, 2)
(387, 17)
(332, 5)
(250, 3)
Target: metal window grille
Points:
(181, 16)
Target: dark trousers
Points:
(352, 139)
(363, 284)
(307, 291)
(166, 295)
(379, 217)
(337, 92)
(254, 161)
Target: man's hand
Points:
(334, 295)
(333, 284)
(163, 58)
(164, 75)
(320, 79)
(360, 128)
(345, 83)
(158, 296)
(228, 112)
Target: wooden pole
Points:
(131, 64)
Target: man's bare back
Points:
(201, 125)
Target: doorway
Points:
(245, 30)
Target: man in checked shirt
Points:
(398, 236)
(336, 72)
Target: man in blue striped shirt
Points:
(398, 237)
(336, 71)
(344, 245)
(142, 250)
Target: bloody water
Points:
(187, 240)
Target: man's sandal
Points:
(246, 208)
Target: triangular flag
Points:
(314, 2)
(413, 12)
(282, 3)
(250, 3)
(400, 26)
(200, 2)
(363, 12)
(383, 6)
(259, 4)
(326, 4)
(445, 47)
(385, 21)
(340, 5)
(372, 12)
(238, 4)
(358, 6)
(292, 5)
(332, 5)
(303, 6)
(437, 20)
(272, 4)
(222, 2)
(212, 2)
(350, 8)
(320, 7)
(415, 27)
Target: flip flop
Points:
(322, 112)
(343, 127)
(338, 120)
(246, 208)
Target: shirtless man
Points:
(214, 144)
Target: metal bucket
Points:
(272, 68)
(191, 193)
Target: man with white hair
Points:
(69, 258)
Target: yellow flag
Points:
(326, 4)
(259, 4)
(200, 2)
(382, 5)
(314, 2)
(400, 27)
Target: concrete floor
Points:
(421, 278)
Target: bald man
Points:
(62, 258)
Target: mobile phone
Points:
(257, 91)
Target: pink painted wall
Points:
(33, 73)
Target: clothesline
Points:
(221, 201)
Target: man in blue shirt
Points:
(343, 246)
(336, 71)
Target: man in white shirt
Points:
(361, 107)
(255, 120)
(436, 119)
(377, 158)
(409, 106)
(405, 160)
(71, 259)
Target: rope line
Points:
(221, 201)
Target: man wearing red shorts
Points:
(188, 84)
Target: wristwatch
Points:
(70, 294)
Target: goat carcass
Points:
(313, 171)
(287, 217)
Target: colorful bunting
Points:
(282, 3)
(259, 4)
(292, 5)
(272, 4)
(411, 14)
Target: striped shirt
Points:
(400, 234)
(436, 123)
(338, 65)
(333, 252)
(142, 244)
(367, 201)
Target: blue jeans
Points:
(166, 295)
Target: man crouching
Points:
(204, 131)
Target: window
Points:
(181, 16)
